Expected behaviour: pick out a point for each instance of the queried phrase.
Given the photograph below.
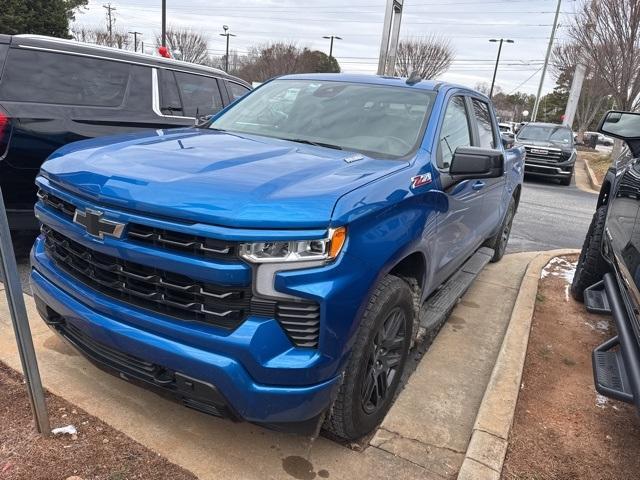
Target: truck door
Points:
(494, 203)
(459, 225)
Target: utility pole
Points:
(390, 34)
(574, 95)
(110, 20)
(534, 115)
(135, 40)
(332, 37)
(164, 23)
(495, 70)
(226, 58)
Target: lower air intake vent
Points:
(301, 321)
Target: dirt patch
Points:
(97, 452)
(562, 428)
(599, 163)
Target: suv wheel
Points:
(500, 240)
(591, 264)
(377, 362)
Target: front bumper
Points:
(222, 382)
(550, 170)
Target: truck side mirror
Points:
(508, 139)
(475, 162)
(622, 125)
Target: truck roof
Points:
(376, 80)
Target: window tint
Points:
(236, 90)
(200, 95)
(485, 124)
(170, 103)
(455, 132)
(45, 77)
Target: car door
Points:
(494, 189)
(460, 223)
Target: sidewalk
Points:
(425, 435)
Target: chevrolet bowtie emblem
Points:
(97, 226)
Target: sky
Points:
(467, 24)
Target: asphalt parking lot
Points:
(551, 216)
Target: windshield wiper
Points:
(315, 144)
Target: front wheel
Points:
(377, 362)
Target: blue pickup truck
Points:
(278, 263)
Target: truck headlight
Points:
(324, 249)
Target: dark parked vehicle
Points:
(607, 277)
(54, 91)
(551, 151)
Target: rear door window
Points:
(236, 90)
(170, 103)
(485, 124)
(200, 95)
(55, 78)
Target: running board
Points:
(609, 372)
(436, 308)
(595, 299)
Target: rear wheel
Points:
(377, 362)
(591, 264)
(500, 240)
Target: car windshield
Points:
(379, 120)
(546, 133)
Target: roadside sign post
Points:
(390, 34)
(20, 321)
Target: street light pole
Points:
(331, 37)
(164, 23)
(534, 115)
(495, 70)
(226, 58)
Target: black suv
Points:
(607, 277)
(54, 91)
(550, 150)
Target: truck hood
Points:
(206, 176)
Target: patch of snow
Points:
(559, 267)
(566, 292)
(601, 401)
(602, 325)
(68, 430)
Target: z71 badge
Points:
(420, 180)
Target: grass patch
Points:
(599, 163)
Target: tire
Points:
(566, 181)
(500, 240)
(354, 414)
(591, 264)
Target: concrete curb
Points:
(592, 177)
(489, 440)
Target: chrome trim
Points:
(558, 170)
(155, 98)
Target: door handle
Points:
(478, 185)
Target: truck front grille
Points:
(151, 288)
(157, 237)
(542, 154)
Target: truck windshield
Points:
(546, 133)
(378, 120)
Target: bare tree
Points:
(595, 93)
(187, 45)
(430, 57)
(608, 34)
(100, 36)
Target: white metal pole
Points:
(20, 322)
(390, 34)
(574, 95)
(534, 115)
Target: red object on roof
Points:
(164, 52)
